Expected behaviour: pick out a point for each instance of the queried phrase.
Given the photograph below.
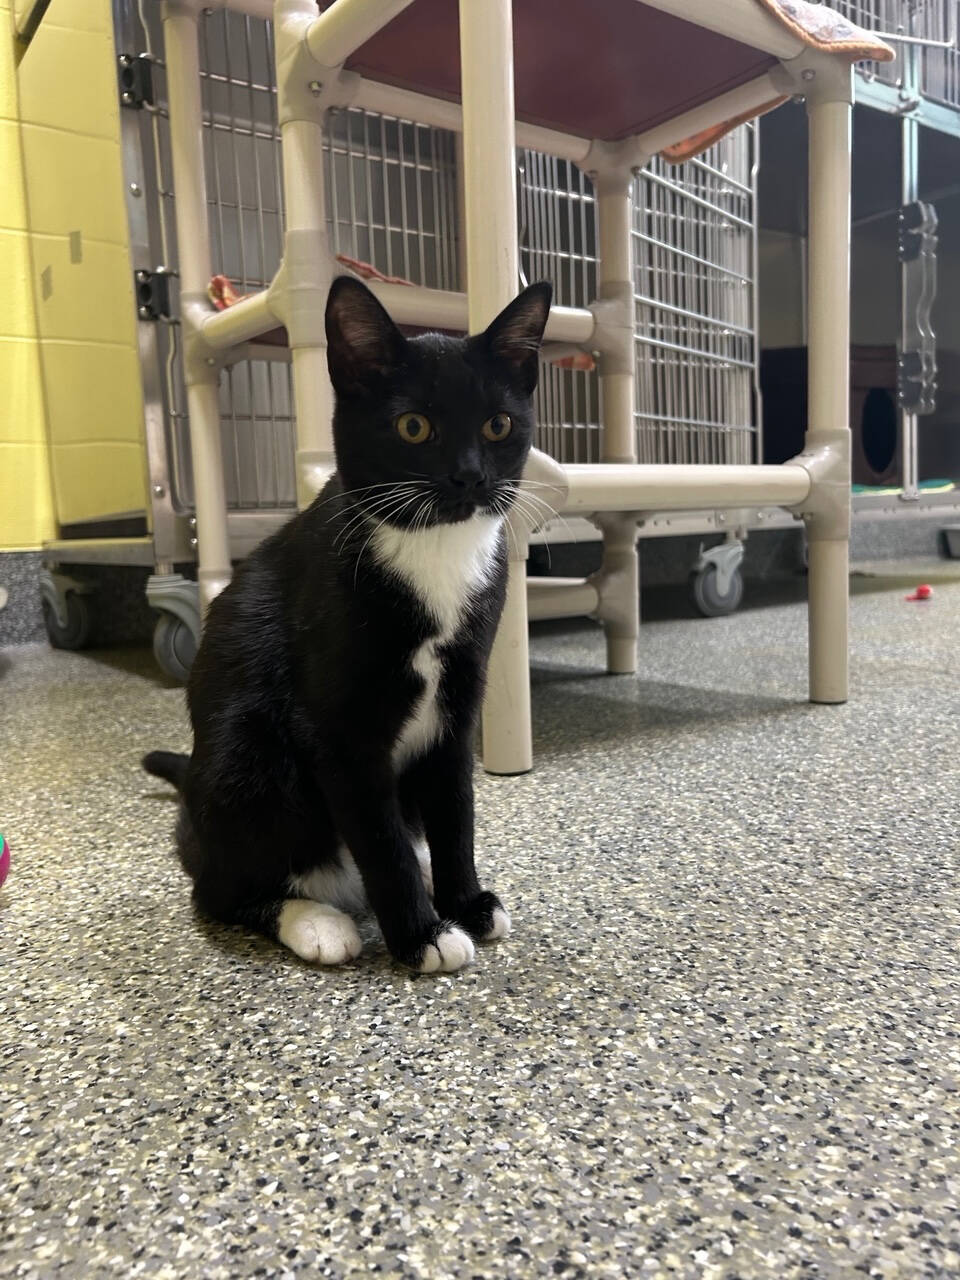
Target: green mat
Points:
(925, 486)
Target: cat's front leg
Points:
(363, 800)
(441, 786)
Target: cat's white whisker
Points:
(366, 488)
(379, 525)
(548, 511)
(361, 513)
(360, 505)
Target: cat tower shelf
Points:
(606, 84)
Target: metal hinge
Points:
(152, 289)
(135, 75)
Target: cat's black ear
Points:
(513, 339)
(363, 343)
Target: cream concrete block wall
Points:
(26, 509)
(82, 273)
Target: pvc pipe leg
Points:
(213, 539)
(828, 325)
(828, 610)
(490, 210)
(619, 587)
(313, 397)
(507, 730)
(621, 653)
(193, 239)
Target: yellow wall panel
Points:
(89, 169)
(82, 15)
(13, 206)
(98, 479)
(60, 286)
(16, 294)
(93, 394)
(21, 400)
(8, 80)
(68, 80)
(26, 512)
(90, 300)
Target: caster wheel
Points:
(75, 633)
(174, 647)
(707, 597)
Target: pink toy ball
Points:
(4, 859)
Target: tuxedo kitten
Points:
(335, 694)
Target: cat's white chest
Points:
(444, 566)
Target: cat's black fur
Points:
(303, 683)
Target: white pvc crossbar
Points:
(407, 304)
(679, 487)
(245, 320)
(385, 99)
(347, 24)
(736, 102)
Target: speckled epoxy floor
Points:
(722, 1041)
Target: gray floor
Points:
(722, 1041)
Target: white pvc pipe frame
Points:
(331, 37)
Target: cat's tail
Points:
(169, 765)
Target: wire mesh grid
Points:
(940, 68)
(932, 20)
(694, 270)
(391, 200)
(879, 16)
(392, 196)
(245, 210)
(558, 242)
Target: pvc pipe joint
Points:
(306, 89)
(826, 460)
(816, 76)
(298, 292)
(614, 333)
(201, 362)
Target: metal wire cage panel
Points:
(245, 203)
(925, 20)
(391, 201)
(694, 239)
(881, 16)
(558, 242)
(940, 68)
(392, 196)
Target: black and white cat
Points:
(335, 694)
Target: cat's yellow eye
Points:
(413, 427)
(497, 428)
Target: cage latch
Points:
(135, 76)
(152, 289)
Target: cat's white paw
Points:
(450, 950)
(500, 926)
(318, 932)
